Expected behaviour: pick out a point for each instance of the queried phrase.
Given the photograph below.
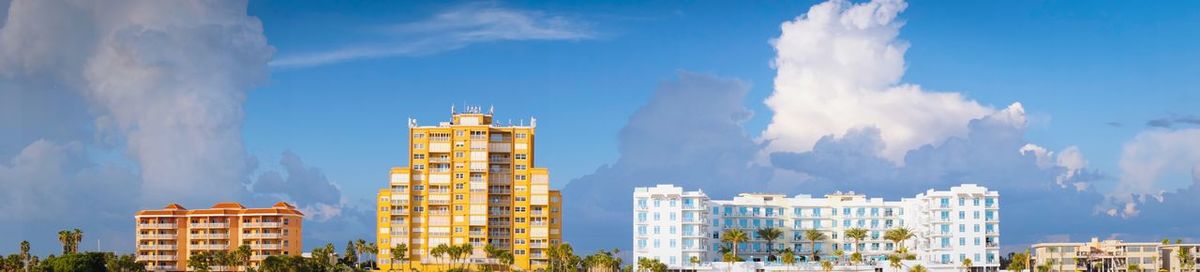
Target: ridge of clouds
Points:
(451, 29)
(839, 67)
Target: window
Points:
(519, 156)
(418, 167)
(458, 133)
(418, 146)
(418, 135)
(520, 199)
(458, 154)
(520, 136)
(418, 156)
(520, 167)
(520, 177)
(458, 176)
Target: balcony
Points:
(156, 247)
(156, 226)
(399, 211)
(537, 213)
(439, 202)
(439, 159)
(208, 236)
(503, 160)
(399, 233)
(265, 235)
(161, 268)
(258, 257)
(209, 247)
(397, 222)
(500, 191)
(537, 244)
(261, 225)
(498, 234)
(400, 202)
(156, 236)
(218, 225)
(537, 256)
(156, 257)
(266, 246)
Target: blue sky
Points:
(315, 95)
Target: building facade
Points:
(167, 237)
(469, 181)
(673, 225)
(1115, 255)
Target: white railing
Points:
(266, 246)
(156, 236)
(209, 236)
(156, 257)
(262, 225)
(156, 226)
(161, 268)
(208, 225)
(271, 235)
(156, 247)
(210, 246)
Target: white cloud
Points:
(1159, 160)
(453, 29)
(839, 68)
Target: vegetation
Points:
(607, 261)
(813, 236)
(646, 265)
(1017, 262)
(770, 235)
(827, 266)
(856, 234)
(789, 257)
(734, 237)
(966, 264)
(918, 268)
(1187, 262)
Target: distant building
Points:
(473, 181)
(167, 237)
(673, 226)
(1113, 255)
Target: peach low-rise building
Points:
(167, 237)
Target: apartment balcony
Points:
(156, 257)
(209, 247)
(161, 268)
(266, 235)
(476, 233)
(266, 246)
(399, 233)
(156, 226)
(156, 247)
(537, 213)
(503, 147)
(258, 257)
(439, 212)
(499, 234)
(438, 201)
(261, 225)
(538, 224)
(538, 244)
(157, 236)
(993, 245)
(500, 191)
(439, 159)
(399, 211)
(537, 255)
(993, 233)
(397, 222)
(208, 236)
(502, 160)
(208, 225)
(399, 202)
(499, 223)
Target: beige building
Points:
(167, 237)
(470, 181)
(1113, 255)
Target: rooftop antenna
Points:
(452, 109)
(491, 109)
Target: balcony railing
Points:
(266, 246)
(262, 235)
(161, 268)
(210, 246)
(208, 236)
(208, 225)
(156, 257)
(399, 211)
(156, 226)
(261, 225)
(156, 247)
(157, 236)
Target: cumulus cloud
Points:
(1155, 162)
(688, 134)
(449, 30)
(839, 68)
(128, 105)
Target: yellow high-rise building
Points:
(469, 181)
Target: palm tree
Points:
(76, 237)
(966, 264)
(789, 257)
(438, 251)
(894, 261)
(898, 236)
(770, 235)
(1133, 268)
(813, 236)
(399, 254)
(841, 254)
(465, 250)
(918, 268)
(856, 258)
(241, 256)
(857, 235)
(25, 254)
(827, 266)
(1186, 260)
(1019, 259)
(734, 237)
(64, 238)
(694, 260)
(506, 258)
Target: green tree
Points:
(241, 256)
(1133, 268)
(813, 236)
(770, 235)
(841, 254)
(856, 235)
(399, 254)
(898, 236)
(856, 258)
(734, 237)
(201, 261)
(827, 266)
(90, 261)
(1187, 262)
(966, 264)
(123, 263)
(789, 257)
(894, 260)
(918, 268)
(25, 255)
(1018, 262)
(562, 258)
(694, 260)
(651, 265)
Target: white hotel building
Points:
(673, 225)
